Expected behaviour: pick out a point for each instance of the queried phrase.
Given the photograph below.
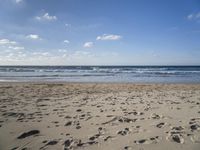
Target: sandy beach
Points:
(99, 116)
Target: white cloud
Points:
(41, 53)
(194, 16)
(46, 17)
(33, 37)
(12, 56)
(16, 47)
(109, 37)
(62, 50)
(88, 44)
(6, 42)
(11, 47)
(18, 1)
(81, 53)
(66, 41)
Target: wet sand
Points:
(99, 116)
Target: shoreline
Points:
(117, 83)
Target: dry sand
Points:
(99, 116)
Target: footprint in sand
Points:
(124, 132)
(69, 123)
(128, 148)
(29, 133)
(155, 116)
(175, 135)
(151, 140)
(75, 123)
(68, 143)
(92, 138)
(195, 127)
(160, 125)
(120, 119)
(79, 110)
(50, 143)
(178, 138)
(108, 137)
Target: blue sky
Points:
(100, 32)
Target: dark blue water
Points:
(132, 74)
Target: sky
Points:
(99, 32)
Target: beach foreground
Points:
(99, 116)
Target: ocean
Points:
(124, 74)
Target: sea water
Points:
(125, 74)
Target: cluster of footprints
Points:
(91, 116)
